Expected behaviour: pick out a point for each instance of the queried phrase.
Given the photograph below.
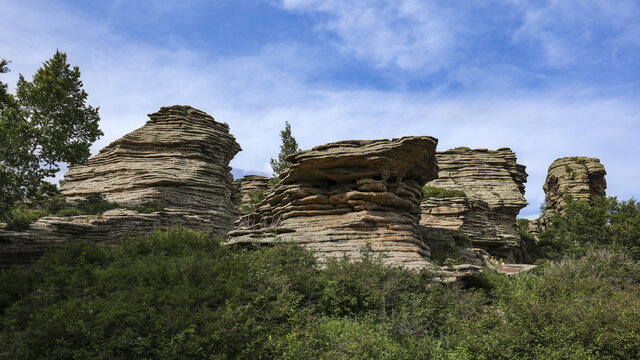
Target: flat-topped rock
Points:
(339, 198)
(178, 159)
(494, 186)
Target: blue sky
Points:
(545, 78)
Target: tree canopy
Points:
(45, 123)
(288, 147)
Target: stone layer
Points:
(338, 198)
(494, 185)
(179, 158)
(582, 178)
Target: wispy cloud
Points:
(257, 91)
(407, 34)
(581, 31)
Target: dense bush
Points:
(438, 192)
(181, 294)
(573, 309)
(603, 223)
(148, 207)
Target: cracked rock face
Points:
(583, 178)
(179, 158)
(494, 185)
(337, 198)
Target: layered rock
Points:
(338, 198)
(582, 178)
(179, 159)
(494, 186)
(251, 184)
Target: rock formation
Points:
(337, 198)
(251, 184)
(179, 159)
(494, 186)
(580, 177)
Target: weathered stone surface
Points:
(494, 185)
(580, 177)
(250, 184)
(179, 158)
(337, 198)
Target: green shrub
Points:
(182, 294)
(573, 309)
(443, 250)
(69, 212)
(604, 223)
(438, 192)
(255, 197)
(95, 204)
(20, 218)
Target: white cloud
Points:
(573, 31)
(257, 93)
(407, 34)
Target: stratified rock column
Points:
(580, 177)
(337, 198)
(494, 185)
(179, 159)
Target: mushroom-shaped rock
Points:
(339, 198)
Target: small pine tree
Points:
(288, 147)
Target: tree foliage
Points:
(47, 122)
(288, 147)
(603, 223)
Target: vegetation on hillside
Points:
(581, 226)
(181, 294)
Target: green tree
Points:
(288, 147)
(47, 122)
(4, 96)
(603, 223)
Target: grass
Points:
(438, 192)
